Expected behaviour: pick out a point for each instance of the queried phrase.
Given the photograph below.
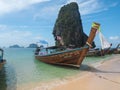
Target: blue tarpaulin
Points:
(43, 42)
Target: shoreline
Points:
(103, 76)
(86, 79)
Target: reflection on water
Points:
(3, 85)
(10, 77)
(46, 72)
(7, 78)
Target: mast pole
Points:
(95, 27)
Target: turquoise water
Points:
(21, 68)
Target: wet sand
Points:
(104, 76)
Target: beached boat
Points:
(105, 47)
(2, 61)
(69, 57)
(93, 52)
(115, 50)
(102, 52)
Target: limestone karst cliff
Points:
(69, 26)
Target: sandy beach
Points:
(105, 76)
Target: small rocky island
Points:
(69, 28)
(15, 46)
(32, 45)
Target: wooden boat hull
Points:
(69, 58)
(72, 57)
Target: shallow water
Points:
(22, 68)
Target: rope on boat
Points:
(88, 44)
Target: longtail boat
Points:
(72, 57)
(115, 50)
(105, 47)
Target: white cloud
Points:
(114, 4)
(47, 12)
(10, 37)
(92, 6)
(114, 38)
(2, 27)
(7, 6)
(72, 1)
(85, 6)
(37, 37)
(89, 6)
(14, 34)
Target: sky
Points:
(24, 22)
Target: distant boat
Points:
(105, 47)
(115, 50)
(72, 57)
(2, 61)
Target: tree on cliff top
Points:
(69, 26)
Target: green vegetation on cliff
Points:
(69, 26)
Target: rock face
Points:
(32, 45)
(15, 46)
(69, 26)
